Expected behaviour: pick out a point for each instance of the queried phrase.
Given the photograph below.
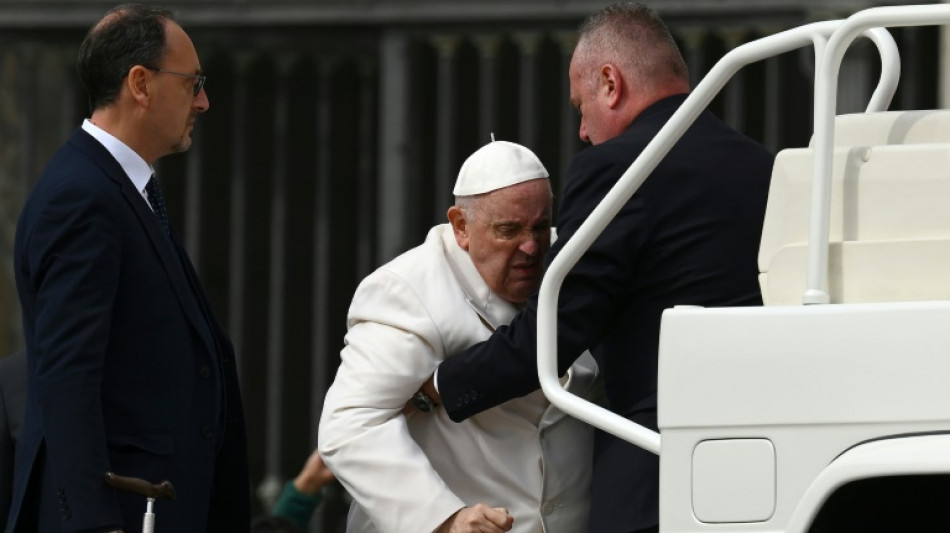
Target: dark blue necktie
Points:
(157, 200)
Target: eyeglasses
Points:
(199, 78)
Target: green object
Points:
(295, 505)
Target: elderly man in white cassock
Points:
(523, 466)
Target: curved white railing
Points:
(826, 87)
(816, 34)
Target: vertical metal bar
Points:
(569, 118)
(27, 96)
(322, 231)
(238, 188)
(20, 62)
(366, 231)
(193, 179)
(446, 121)
(772, 103)
(394, 143)
(320, 344)
(68, 104)
(735, 89)
(487, 91)
(527, 94)
(694, 55)
(277, 275)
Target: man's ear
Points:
(137, 83)
(611, 84)
(459, 226)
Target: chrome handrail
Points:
(826, 87)
(816, 34)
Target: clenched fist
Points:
(478, 519)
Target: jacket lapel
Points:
(162, 244)
(173, 261)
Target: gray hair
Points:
(470, 205)
(633, 37)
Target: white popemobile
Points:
(764, 413)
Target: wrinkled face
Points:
(176, 106)
(507, 237)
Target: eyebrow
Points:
(516, 224)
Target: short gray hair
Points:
(471, 205)
(634, 37)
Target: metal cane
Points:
(141, 487)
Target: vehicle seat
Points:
(890, 214)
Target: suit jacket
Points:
(129, 369)
(409, 474)
(689, 236)
(12, 399)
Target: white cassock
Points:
(407, 474)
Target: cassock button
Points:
(207, 431)
(205, 371)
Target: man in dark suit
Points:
(12, 398)
(690, 235)
(129, 369)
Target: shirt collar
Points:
(494, 309)
(132, 163)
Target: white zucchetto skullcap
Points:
(496, 165)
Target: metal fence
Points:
(328, 150)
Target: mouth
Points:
(526, 269)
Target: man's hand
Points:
(478, 519)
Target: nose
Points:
(201, 101)
(583, 131)
(530, 246)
